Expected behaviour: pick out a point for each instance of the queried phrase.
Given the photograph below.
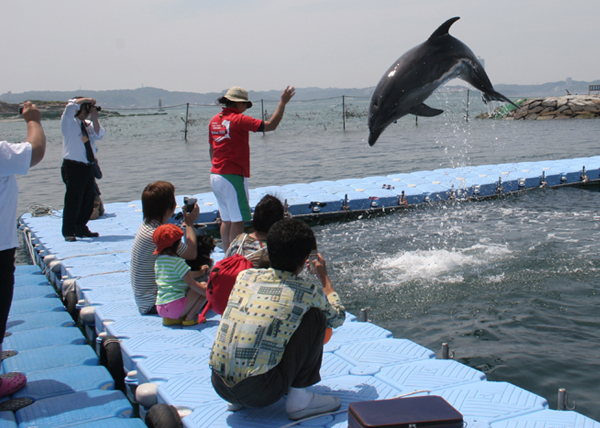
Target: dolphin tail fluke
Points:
(425, 111)
(444, 28)
(496, 96)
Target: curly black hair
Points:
(289, 243)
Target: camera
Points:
(312, 256)
(21, 108)
(189, 204)
(89, 107)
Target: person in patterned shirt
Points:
(270, 339)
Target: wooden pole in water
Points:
(344, 111)
(187, 111)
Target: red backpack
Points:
(221, 281)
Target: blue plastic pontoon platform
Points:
(67, 385)
(361, 361)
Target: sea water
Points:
(511, 284)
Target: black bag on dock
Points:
(429, 411)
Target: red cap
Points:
(166, 235)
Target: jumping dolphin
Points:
(420, 71)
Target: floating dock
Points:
(380, 194)
(169, 364)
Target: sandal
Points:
(189, 322)
(15, 404)
(11, 383)
(8, 354)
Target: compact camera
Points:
(21, 109)
(189, 204)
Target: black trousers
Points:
(79, 197)
(299, 367)
(7, 286)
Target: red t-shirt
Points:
(228, 133)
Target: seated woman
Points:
(253, 245)
(158, 205)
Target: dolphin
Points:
(419, 72)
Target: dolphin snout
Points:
(374, 135)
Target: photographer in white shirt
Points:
(79, 155)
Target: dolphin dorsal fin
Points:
(444, 28)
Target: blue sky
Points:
(207, 46)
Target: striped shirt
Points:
(264, 310)
(143, 280)
(169, 278)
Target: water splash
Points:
(443, 265)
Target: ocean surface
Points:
(511, 284)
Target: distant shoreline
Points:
(149, 97)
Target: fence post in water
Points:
(344, 111)
(467, 116)
(187, 111)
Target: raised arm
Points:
(93, 111)
(94, 117)
(286, 96)
(35, 133)
(320, 267)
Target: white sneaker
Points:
(318, 405)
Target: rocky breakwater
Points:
(565, 107)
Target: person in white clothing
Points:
(14, 159)
(79, 155)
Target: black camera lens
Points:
(89, 107)
(21, 109)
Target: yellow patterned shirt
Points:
(264, 310)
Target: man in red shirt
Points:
(228, 136)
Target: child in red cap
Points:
(180, 297)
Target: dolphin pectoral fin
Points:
(425, 111)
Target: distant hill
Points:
(149, 97)
(127, 98)
(550, 89)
